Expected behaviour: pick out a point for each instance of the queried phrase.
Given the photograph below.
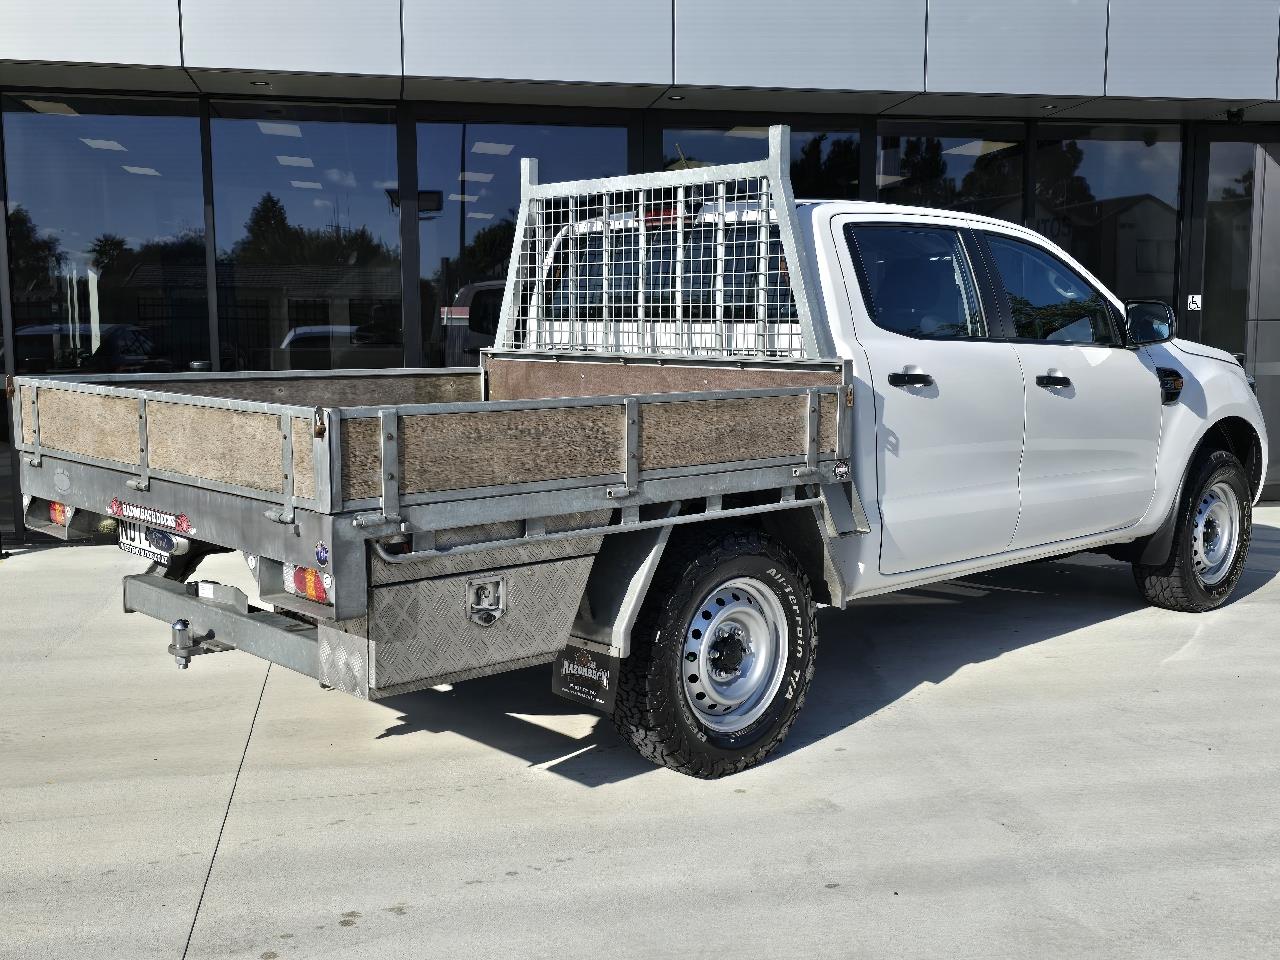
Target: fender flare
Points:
(1158, 548)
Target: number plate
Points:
(586, 677)
(137, 539)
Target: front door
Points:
(1092, 406)
(948, 399)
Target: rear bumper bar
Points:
(222, 613)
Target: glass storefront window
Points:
(1228, 244)
(1108, 195)
(308, 237)
(952, 166)
(469, 194)
(824, 164)
(105, 219)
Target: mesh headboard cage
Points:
(700, 262)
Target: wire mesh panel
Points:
(692, 262)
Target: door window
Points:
(1048, 301)
(916, 281)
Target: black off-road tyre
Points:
(1176, 585)
(652, 709)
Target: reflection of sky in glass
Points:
(476, 167)
(323, 172)
(1126, 168)
(77, 190)
(1228, 164)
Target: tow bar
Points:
(185, 645)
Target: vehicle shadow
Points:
(871, 655)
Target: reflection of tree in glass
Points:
(1042, 322)
(485, 257)
(925, 180)
(924, 168)
(34, 260)
(830, 177)
(997, 173)
(1245, 190)
(111, 255)
(1058, 182)
(270, 239)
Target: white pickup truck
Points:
(709, 409)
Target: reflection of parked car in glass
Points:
(106, 348)
(471, 323)
(320, 346)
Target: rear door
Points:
(948, 399)
(1092, 406)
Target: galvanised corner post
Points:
(510, 295)
(816, 338)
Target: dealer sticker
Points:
(586, 677)
(177, 522)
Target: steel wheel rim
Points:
(734, 655)
(1215, 533)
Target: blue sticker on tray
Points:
(322, 553)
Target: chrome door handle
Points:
(1054, 378)
(911, 376)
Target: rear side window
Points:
(916, 281)
(1047, 299)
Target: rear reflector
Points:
(305, 582)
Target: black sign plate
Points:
(585, 677)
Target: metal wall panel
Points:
(1011, 46)
(821, 44)
(559, 40)
(91, 31)
(292, 35)
(1190, 48)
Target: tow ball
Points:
(186, 645)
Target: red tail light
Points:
(305, 582)
(58, 513)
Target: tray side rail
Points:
(461, 461)
(274, 453)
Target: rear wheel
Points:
(722, 655)
(1212, 541)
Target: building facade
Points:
(275, 184)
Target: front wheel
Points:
(722, 655)
(1212, 542)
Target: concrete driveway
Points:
(1027, 763)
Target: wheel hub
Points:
(1215, 533)
(734, 654)
(728, 651)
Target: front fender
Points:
(1214, 391)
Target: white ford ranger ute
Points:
(709, 410)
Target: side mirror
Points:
(1149, 321)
